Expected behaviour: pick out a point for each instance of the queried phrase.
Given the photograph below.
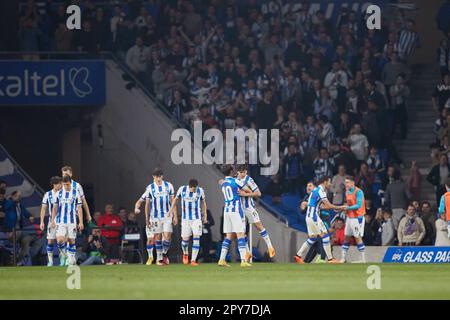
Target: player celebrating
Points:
(157, 217)
(316, 228)
(47, 203)
(193, 208)
(249, 208)
(354, 224)
(67, 171)
(67, 205)
(233, 217)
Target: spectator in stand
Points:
(399, 93)
(415, 182)
(429, 219)
(397, 197)
(339, 232)
(292, 169)
(392, 70)
(408, 40)
(63, 38)
(411, 230)
(29, 38)
(438, 176)
(442, 17)
(16, 218)
(111, 227)
(364, 180)
(3, 185)
(338, 186)
(96, 217)
(442, 236)
(368, 235)
(85, 39)
(95, 248)
(130, 226)
(275, 189)
(387, 229)
(123, 215)
(323, 165)
(443, 57)
(375, 227)
(370, 209)
(358, 143)
(441, 94)
(136, 58)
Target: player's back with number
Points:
(230, 187)
(315, 198)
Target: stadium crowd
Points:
(336, 91)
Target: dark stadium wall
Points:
(33, 137)
(9, 25)
(42, 139)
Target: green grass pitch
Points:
(208, 281)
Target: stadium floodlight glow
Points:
(241, 146)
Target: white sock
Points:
(327, 246)
(185, 247)
(265, 235)
(344, 250)
(159, 253)
(71, 251)
(305, 247)
(195, 248)
(62, 250)
(50, 252)
(242, 244)
(362, 251)
(166, 246)
(225, 246)
(150, 250)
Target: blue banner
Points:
(417, 255)
(61, 82)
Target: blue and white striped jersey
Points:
(48, 198)
(79, 188)
(230, 187)
(315, 200)
(159, 196)
(68, 203)
(191, 203)
(247, 202)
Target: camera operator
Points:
(95, 248)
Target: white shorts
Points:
(159, 226)
(315, 227)
(252, 215)
(233, 223)
(51, 233)
(191, 227)
(354, 227)
(68, 230)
